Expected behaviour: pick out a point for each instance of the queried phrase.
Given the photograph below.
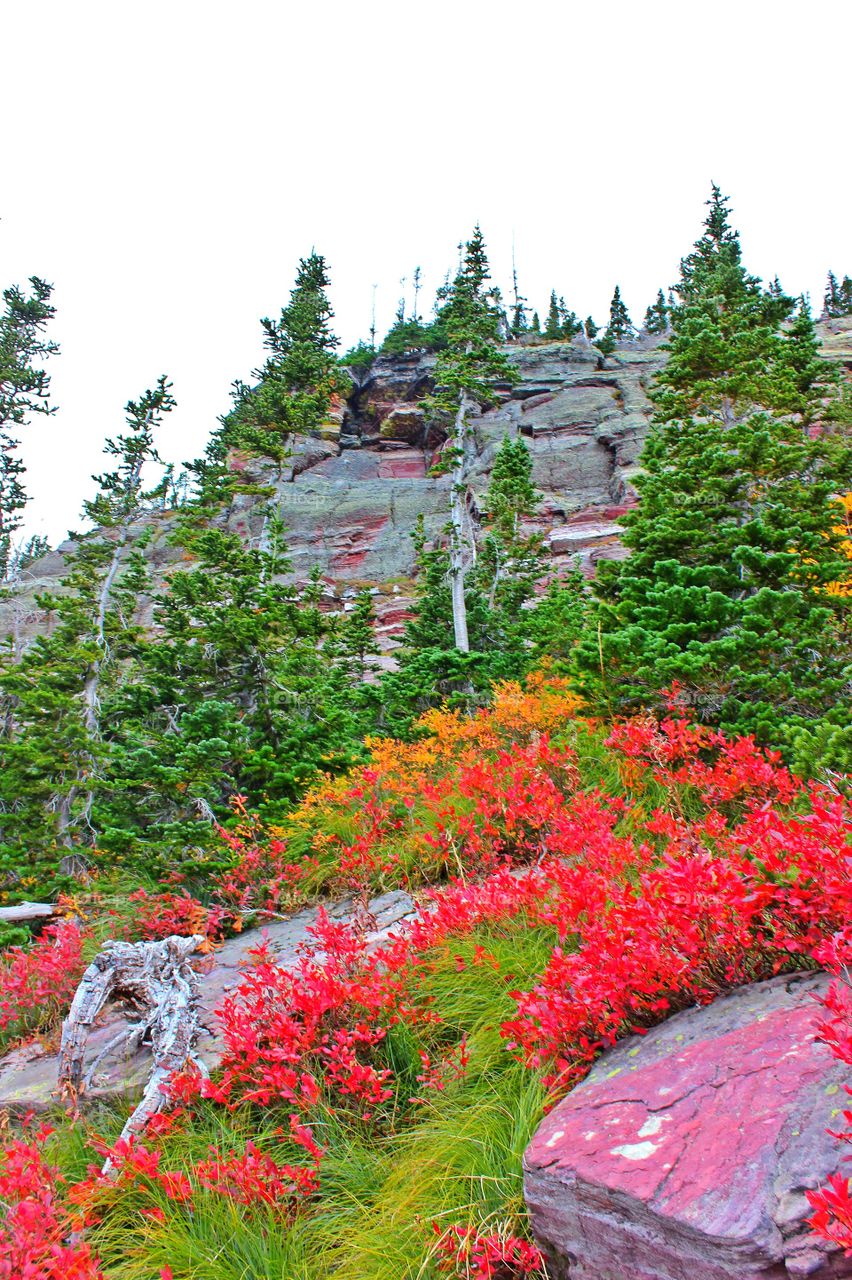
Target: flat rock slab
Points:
(28, 1075)
(686, 1152)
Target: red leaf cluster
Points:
(35, 1229)
(38, 981)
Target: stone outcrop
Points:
(28, 1075)
(685, 1154)
(351, 494)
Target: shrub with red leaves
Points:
(711, 867)
(496, 1256)
(36, 1225)
(832, 1204)
(38, 982)
(253, 1177)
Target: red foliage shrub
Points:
(464, 1254)
(36, 1225)
(711, 867)
(832, 1204)
(255, 1178)
(39, 981)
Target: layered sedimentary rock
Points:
(686, 1153)
(351, 494)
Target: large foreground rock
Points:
(685, 1154)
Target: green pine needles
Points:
(734, 543)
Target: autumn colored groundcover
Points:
(577, 883)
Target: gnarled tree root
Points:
(157, 979)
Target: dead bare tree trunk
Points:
(158, 980)
(459, 537)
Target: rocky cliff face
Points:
(352, 501)
(350, 496)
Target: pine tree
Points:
(831, 301)
(295, 385)
(620, 327)
(24, 391)
(734, 541)
(243, 689)
(846, 296)
(781, 305)
(590, 329)
(838, 297)
(519, 307)
(56, 743)
(535, 326)
(510, 562)
(465, 375)
(569, 323)
(498, 589)
(657, 315)
(356, 641)
(553, 323)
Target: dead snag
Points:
(157, 979)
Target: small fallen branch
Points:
(27, 911)
(157, 979)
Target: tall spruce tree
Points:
(510, 562)
(553, 323)
(242, 689)
(56, 742)
(838, 297)
(295, 385)
(24, 391)
(657, 315)
(734, 542)
(569, 322)
(620, 327)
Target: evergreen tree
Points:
(356, 642)
(620, 327)
(535, 327)
(498, 590)
(591, 329)
(569, 323)
(831, 301)
(241, 690)
(846, 296)
(657, 315)
(465, 375)
(510, 562)
(519, 308)
(553, 323)
(295, 385)
(838, 297)
(734, 542)
(781, 305)
(24, 391)
(56, 744)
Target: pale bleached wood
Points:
(157, 979)
(27, 911)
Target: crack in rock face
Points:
(686, 1152)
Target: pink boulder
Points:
(686, 1153)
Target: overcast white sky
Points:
(165, 165)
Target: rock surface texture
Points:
(350, 498)
(686, 1152)
(350, 495)
(28, 1075)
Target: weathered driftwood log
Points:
(157, 979)
(27, 911)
